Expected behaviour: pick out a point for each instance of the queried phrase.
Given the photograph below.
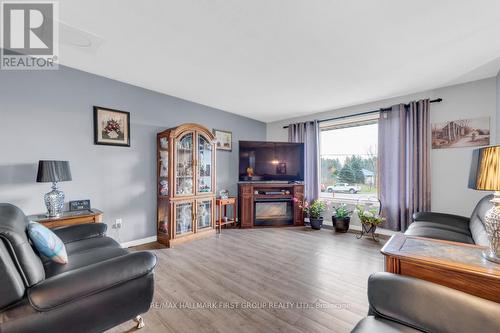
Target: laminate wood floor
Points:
(262, 280)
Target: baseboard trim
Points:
(139, 242)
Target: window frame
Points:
(348, 122)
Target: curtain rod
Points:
(437, 100)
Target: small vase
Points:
(341, 225)
(113, 135)
(316, 223)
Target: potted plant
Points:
(370, 219)
(313, 211)
(341, 218)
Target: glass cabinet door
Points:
(183, 218)
(205, 165)
(204, 214)
(163, 217)
(184, 170)
(163, 167)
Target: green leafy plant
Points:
(341, 212)
(369, 216)
(314, 209)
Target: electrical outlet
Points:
(118, 224)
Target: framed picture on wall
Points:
(111, 127)
(460, 133)
(223, 140)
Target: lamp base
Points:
(492, 226)
(54, 201)
(489, 255)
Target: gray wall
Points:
(449, 167)
(48, 115)
(498, 108)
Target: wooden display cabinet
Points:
(186, 184)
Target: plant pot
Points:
(316, 223)
(341, 225)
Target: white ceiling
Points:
(271, 60)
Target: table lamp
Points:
(53, 172)
(485, 175)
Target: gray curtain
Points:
(404, 163)
(308, 133)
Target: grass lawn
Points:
(368, 189)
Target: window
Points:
(348, 155)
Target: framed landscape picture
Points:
(223, 140)
(111, 127)
(461, 133)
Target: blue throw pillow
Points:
(47, 243)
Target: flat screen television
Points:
(271, 161)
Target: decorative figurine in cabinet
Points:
(186, 184)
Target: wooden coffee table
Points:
(455, 265)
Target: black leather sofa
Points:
(404, 304)
(453, 227)
(101, 286)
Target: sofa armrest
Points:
(86, 281)
(73, 233)
(440, 218)
(430, 307)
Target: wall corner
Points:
(497, 114)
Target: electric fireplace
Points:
(273, 212)
(264, 204)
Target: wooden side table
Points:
(68, 218)
(455, 265)
(222, 207)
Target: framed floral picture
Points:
(223, 140)
(111, 127)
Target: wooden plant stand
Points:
(222, 212)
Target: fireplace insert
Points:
(273, 212)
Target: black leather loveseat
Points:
(101, 286)
(453, 227)
(408, 305)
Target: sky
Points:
(359, 140)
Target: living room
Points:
(261, 167)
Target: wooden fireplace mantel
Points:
(248, 193)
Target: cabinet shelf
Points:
(229, 221)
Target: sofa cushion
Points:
(86, 252)
(13, 224)
(91, 243)
(92, 314)
(11, 284)
(476, 224)
(373, 324)
(47, 243)
(438, 233)
(463, 229)
(429, 306)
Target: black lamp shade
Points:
(53, 172)
(485, 169)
